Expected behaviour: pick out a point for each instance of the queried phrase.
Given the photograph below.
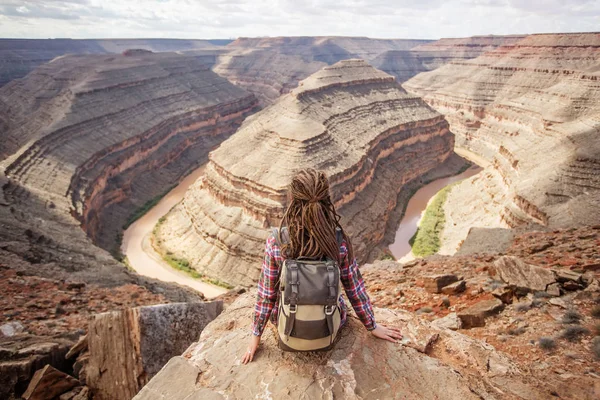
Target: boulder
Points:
(455, 288)
(475, 315)
(127, 347)
(450, 321)
(504, 294)
(525, 277)
(48, 383)
(553, 289)
(359, 367)
(11, 329)
(435, 283)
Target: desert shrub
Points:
(536, 303)
(596, 347)
(522, 307)
(572, 333)
(547, 343)
(516, 331)
(595, 312)
(424, 310)
(571, 317)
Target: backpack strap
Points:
(339, 236)
(282, 237)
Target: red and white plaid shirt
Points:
(267, 300)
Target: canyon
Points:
(92, 140)
(350, 120)
(529, 111)
(21, 56)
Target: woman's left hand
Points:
(392, 334)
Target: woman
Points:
(311, 222)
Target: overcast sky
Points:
(200, 19)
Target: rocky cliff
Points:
(432, 363)
(270, 67)
(99, 136)
(350, 120)
(21, 56)
(404, 64)
(530, 112)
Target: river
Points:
(145, 260)
(417, 204)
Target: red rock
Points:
(48, 383)
(455, 288)
(435, 283)
(475, 315)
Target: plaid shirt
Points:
(267, 300)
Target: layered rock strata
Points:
(99, 136)
(404, 64)
(359, 367)
(530, 112)
(350, 120)
(270, 67)
(21, 56)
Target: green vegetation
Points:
(426, 240)
(184, 265)
(139, 213)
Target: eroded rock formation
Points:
(530, 111)
(21, 56)
(98, 136)
(404, 64)
(270, 67)
(350, 120)
(360, 366)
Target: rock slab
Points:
(47, 383)
(524, 277)
(475, 315)
(128, 347)
(435, 283)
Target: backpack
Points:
(309, 315)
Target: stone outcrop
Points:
(270, 67)
(404, 64)
(21, 56)
(97, 137)
(529, 113)
(127, 348)
(475, 315)
(359, 367)
(524, 277)
(350, 120)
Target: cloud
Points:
(233, 18)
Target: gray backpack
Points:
(309, 315)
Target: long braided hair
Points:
(311, 219)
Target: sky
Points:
(225, 19)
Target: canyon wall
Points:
(88, 139)
(270, 67)
(404, 64)
(350, 120)
(530, 111)
(21, 56)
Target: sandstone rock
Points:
(450, 321)
(435, 283)
(128, 347)
(349, 120)
(48, 383)
(475, 315)
(11, 329)
(564, 275)
(524, 277)
(455, 288)
(553, 289)
(534, 99)
(504, 294)
(359, 367)
(80, 346)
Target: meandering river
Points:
(415, 209)
(145, 260)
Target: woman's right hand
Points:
(391, 334)
(249, 354)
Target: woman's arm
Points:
(354, 286)
(268, 285)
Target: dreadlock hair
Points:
(311, 219)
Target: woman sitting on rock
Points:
(305, 261)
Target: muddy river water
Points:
(145, 260)
(415, 209)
